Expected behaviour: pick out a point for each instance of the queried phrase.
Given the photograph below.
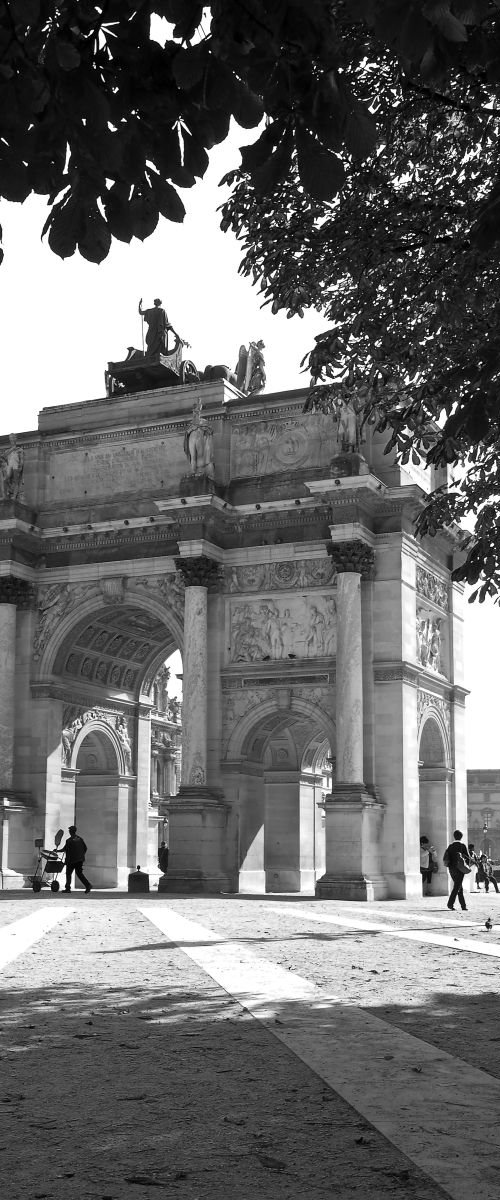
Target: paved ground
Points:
(248, 1047)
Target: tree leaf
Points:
(67, 55)
(169, 202)
(94, 238)
(63, 231)
(189, 65)
(360, 132)
(117, 211)
(321, 173)
(14, 180)
(275, 168)
(144, 212)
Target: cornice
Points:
(278, 674)
(47, 690)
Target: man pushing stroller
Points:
(75, 850)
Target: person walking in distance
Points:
(75, 850)
(455, 855)
(428, 858)
(487, 867)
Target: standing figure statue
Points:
(11, 470)
(199, 444)
(158, 329)
(122, 731)
(348, 426)
(250, 369)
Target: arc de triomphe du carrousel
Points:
(321, 641)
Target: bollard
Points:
(138, 881)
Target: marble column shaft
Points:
(194, 688)
(349, 680)
(7, 692)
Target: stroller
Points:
(50, 863)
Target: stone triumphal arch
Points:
(323, 694)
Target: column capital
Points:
(17, 591)
(199, 572)
(353, 556)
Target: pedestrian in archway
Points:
(163, 857)
(75, 850)
(428, 864)
(456, 857)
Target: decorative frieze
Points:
(296, 628)
(169, 588)
(55, 602)
(280, 576)
(426, 701)
(17, 591)
(354, 556)
(199, 572)
(432, 588)
(76, 717)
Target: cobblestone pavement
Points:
(127, 1066)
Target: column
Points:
(14, 593)
(197, 815)
(194, 687)
(7, 686)
(353, 817)
(138, 851)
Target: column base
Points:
(353, 820)
(194, 883)
(197, 837)
(358, 888)
(289, 881)
(12, 881)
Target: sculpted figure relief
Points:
(11, 470)
(122, 731)
(429, 632)
(68, 738)
(273, 629)
(198, 443)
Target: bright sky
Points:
(61, 322)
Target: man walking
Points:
(455, 852)
(75, 850)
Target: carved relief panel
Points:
(266, 447)
(278, 627)
(432, 637)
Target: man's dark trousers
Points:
(458, 883)
(78, 869)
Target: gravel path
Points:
(125, 1069)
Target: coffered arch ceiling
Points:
(114, 647)
(281, 739)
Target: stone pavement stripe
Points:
(19, 935)
(412, 935)
(403, 916)
(427, 1103)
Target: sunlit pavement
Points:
(248, 1046)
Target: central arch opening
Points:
(285, 772)
(97, 806)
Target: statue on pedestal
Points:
(198, 443)
(122, 731)
(11, 470)
(251, 369)
(158, 328)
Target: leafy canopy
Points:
(371, 193)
